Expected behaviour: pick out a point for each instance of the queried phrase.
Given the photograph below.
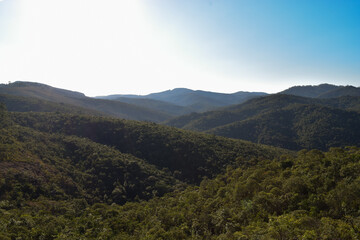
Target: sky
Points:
(144, 46)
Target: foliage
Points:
(297, 127)
(66, 176)
(35, 164)
(28, 104)
(285, 121)
(312, 196)
(41, 96)
(187, 155)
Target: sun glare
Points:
(108, 43)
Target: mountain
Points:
(322, 91)
(157, 105)
(60, 96)
(197, 101)
(59, 167)
(66, 176)
(39, 90)
(282, 120)
(207, 120)
(343, 91)
(297, 127)
(76, 176)
(15, 103)
(60, 156)
(191, 155)
(53, 158)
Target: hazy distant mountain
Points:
(211, 119)
(39, 90)
(161, 106)
(323, 91)
(343, 91)
(297, 127)
(197, 101)
(106, 107)
(282, 120)
(15, 103)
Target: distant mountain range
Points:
(69, 171)
(286, 121)
(320, 116)
(27, 92)
(156, 107)
(323, 91)
(190, 100)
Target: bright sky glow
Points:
(139, 46)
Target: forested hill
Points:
(44, 94)
(15, 103)
(71, 176)
(298, 127)
(191, 100)
(188, 155)
(286, 121)
(323, 91)
(64, 156)
(55, 186)
(36, 164)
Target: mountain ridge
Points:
(258, 116)
(196, 100)
(322, 91)
(61, 96)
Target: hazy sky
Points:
(142, 46)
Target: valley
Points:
(180, 164)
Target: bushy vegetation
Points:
(37, 164)
(27, 104)
(44, 96)
(312, 196)
(187, 155)
(285, 121)
(69, 176)
(297, 127)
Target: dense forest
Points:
(285, 121)
(48, 95)
(70, 172)
(313, 195)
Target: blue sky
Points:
(141, 46)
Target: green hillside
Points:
(323, 91)
(65, 156)
(312, 196)
(344, 91)
(79, 100)
(188, 155)
(208, 120)
(297, 127)
(30, 104)
(286, 121)
(190, 100)
(161, 106)
(40, 164)
(69, 172)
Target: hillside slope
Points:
(37, 164)
(323, 91)
(61, 96)
(258, 118)
(188, 155)
(314, 195)
(344, 91)
(15, 103)
(297, 127)
(157, 105)
(196, 101)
